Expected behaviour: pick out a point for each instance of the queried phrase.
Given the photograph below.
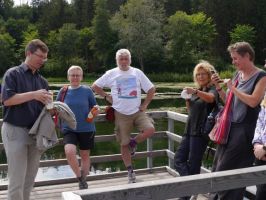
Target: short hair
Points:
(73, 67)
(242, 48)
(207, 67)
(36, 44)
(123, 52)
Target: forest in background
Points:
(163, 35)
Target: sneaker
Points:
(131, 177)
(132, 147)
(82, 183)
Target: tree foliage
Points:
(190, 38)
(163, 35)
(243, 33)
(103, 42)
(139, 26)
(7, 51)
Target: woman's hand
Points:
(259, 152)
(216, 80)
(190, 90)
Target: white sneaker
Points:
(131, 177)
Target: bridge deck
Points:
(54, 192)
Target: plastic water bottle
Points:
(92, 114)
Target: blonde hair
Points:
(207, 67)
(263, 102)
(73, 67)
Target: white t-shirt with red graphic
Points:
(125, 88)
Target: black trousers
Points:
(237, 153)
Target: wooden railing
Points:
(159, 189)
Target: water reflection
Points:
(58, 172)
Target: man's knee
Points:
(149, 131)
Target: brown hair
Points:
(242, 48)
(36, 44)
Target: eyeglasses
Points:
(44, 59)
(75, 75)
(201, 74)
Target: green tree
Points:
(190, 39)
(6, 8)
(23, 12)
(139, 26)
(83, 12)
(103, 42)
(16, 27)
(28, 35)
(243, 33)
(85, 36)
(7, 52)
(53, 15)
(63, 45)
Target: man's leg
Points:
(145, 125)
(33, 161)
(123, 127)
(16, 151)
(145, 134)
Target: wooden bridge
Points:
(155, 183)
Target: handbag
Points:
(220, 132)
(110, 114)
(210, 120)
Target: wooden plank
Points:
(107, 138)
(70, 196)
(91, 177)
(177, 116)
(171, 144)
(174, 137)
(149, 149)
(181, 186)
(97, 159)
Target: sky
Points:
(18, 2)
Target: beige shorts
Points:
(124, 124)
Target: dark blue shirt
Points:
(80, 100)
(20, 79)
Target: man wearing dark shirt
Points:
(24, 94)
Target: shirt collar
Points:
(26, 68)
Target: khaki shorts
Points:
(125, 123)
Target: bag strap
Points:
(230, 95)
(61, 98)
(63, 92)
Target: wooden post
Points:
(170, 141)
(149, 151)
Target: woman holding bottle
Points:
(81, 101)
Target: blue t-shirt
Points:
(80, 100)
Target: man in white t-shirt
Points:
(126, 83)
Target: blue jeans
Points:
(189, 155)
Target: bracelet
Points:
(219, 89)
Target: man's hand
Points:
(42, 95)
(143, 107)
